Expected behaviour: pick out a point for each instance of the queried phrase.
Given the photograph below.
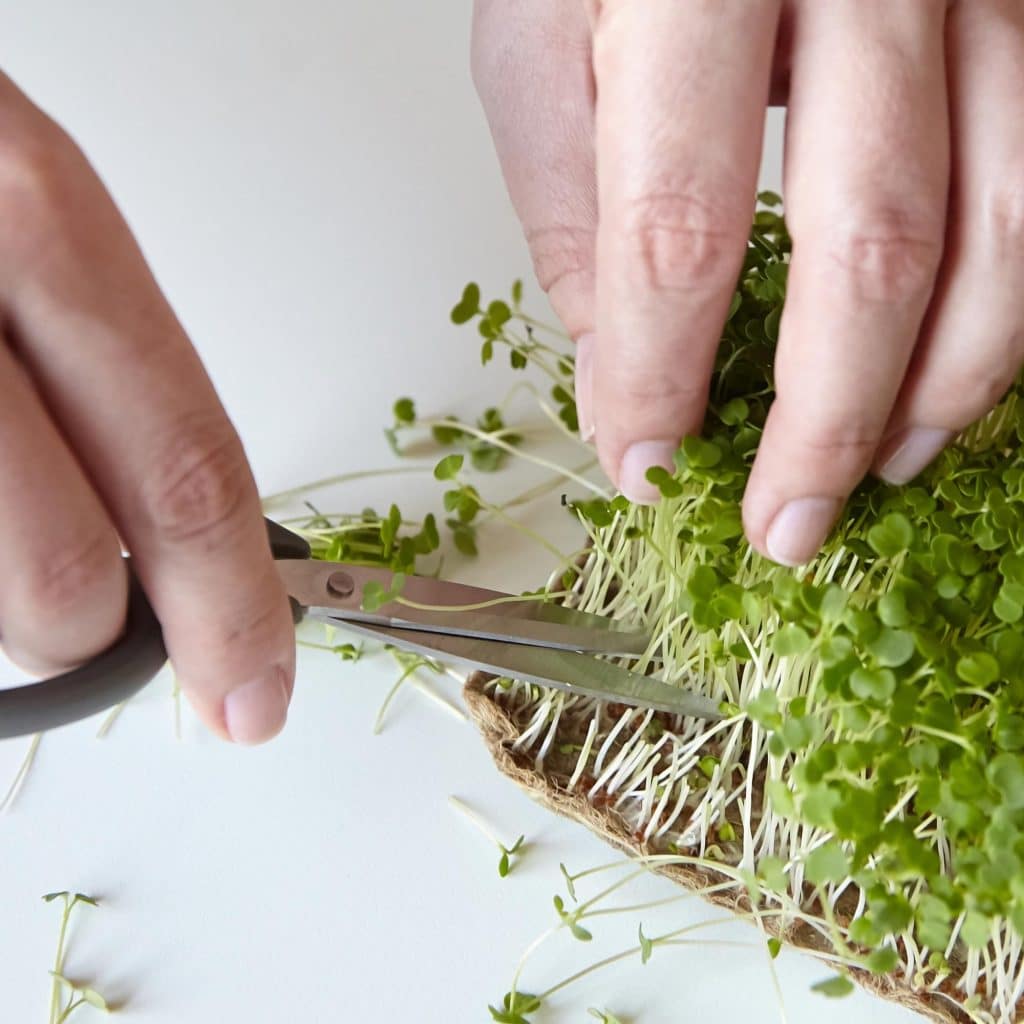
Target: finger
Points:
(532, 70)
(866, 181)
(973, 342)
(122, 381)
(682, 90)
(64, 589)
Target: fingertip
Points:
(799, 529)
(908, 452)
(638, 458)
(256, 711)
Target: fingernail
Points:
(910, 451)
(800, 528)
(256, 711)
(639, 458)
(584, 386)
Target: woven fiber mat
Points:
(550, 788)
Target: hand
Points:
(904, 180)
(110, 428)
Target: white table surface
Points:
(313, 181)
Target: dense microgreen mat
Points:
(868, 784)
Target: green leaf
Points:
(468, 306)
(646, 946)
(836, 987)
(876, 685)
(780, 796)
(764, 709)
(604, 1016)
(93, 998)
(882, 960)
(404, 411)
(863, 931)
(772, 871)
(569, 883)
(515, 1006)
(498, 313)
(1006, 773)
(979, 669)
(769, 198)
(976, 930)
(827, 863)
(893, 535)
(892, 647)
(735, 411)
(448, 467)
(664, 481)
(701, 454)
(517, 292)
(791, 640)
(892, 609)
(1007, 608)
(465, 540)
(774, 947)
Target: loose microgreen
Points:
(604, 1016)
(514, 1008)
(509, 856)
(68, 996)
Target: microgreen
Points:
(604, 1016)
(879, 687)
(508, 855)
(514, 1007)
(68, 996)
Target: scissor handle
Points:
(116, 674)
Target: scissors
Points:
(522, 639)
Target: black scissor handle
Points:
(116, 674)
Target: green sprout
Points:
(67, 996)
(508, 855)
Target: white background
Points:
(313, 183)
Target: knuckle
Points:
(562, 254)
(264, 620)
(680, 240)
(653, 389)
(1003, 217)
(886, 254)
(847, 446)
(82, 573)
(842, 438)
(199, 482)
(979, 386)
(33, 175)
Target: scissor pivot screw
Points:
(340, 584)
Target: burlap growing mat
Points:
(501, 728)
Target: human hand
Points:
(109, 427)
(904, 181)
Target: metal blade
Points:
(333, 590)
(566, 670)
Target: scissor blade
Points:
(532, 622)
(566, 670)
